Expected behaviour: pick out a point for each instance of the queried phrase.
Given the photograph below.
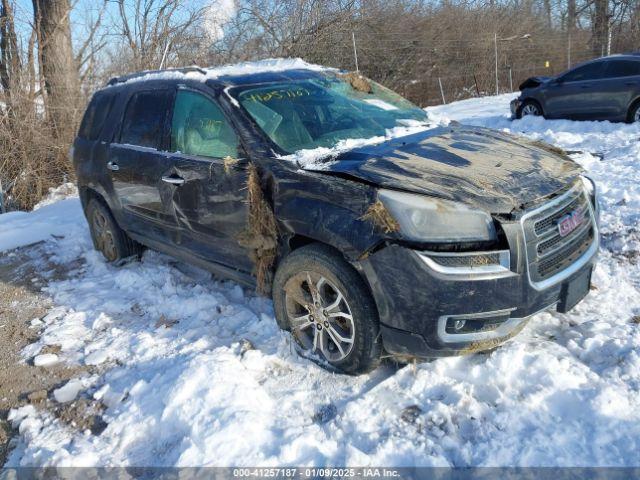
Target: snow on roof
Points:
(237, 69)
(260, 66)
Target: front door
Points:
(574, 94)
(136, 162)
(205, 187)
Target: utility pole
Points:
(164, 54)
(495, 45)
(441, 91)
(355, 50)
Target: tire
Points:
(108, 238)
(530, 108)
(323, 318)
(634, 113)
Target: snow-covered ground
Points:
(191, 371)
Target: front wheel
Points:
(326, 306)
(529, 108)
(634, 113)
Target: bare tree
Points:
(10, 64)
(412, 46)
(154, 33)
(57, 63)
(600, 27)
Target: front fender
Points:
(326, 208)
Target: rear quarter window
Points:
(95, 116)
(144, 119)
(623, 68)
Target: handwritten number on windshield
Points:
(282, 94)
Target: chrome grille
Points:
(545, 224)
(549, 253)
(561, 260)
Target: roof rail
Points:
(124, 78)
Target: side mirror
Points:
(558, 81)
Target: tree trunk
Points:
(571, 15)
(57, 64)
(600, 27)
(547, 12)
(9, 54)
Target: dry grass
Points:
(229, 163)
(358, 82)
(381, 218)
(548, 148)
(261, 235)
(33, 155)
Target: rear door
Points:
(89, 148)
(620, 87)
(205, 187)
(573, 94)
(137, 160)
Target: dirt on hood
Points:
(489, 170)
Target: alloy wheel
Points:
(636, 115)
(103, 236)
(319, 315)
(530, 109)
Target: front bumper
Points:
(419, 303)
(514, 106)
(415, 302)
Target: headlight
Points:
(428, 219)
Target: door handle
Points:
(173, 180)
(113, 166)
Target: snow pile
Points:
(66, 190)
(22, 228)
(191, 371)
(45, 360)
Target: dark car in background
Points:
(438, 242)
(604, 89)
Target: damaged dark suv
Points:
(371, 228)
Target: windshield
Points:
(319, 112)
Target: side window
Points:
(622, 68)
(95, 116)
(199, 128)
(592, 71)
(143, 122)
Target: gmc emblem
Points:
(570, 222)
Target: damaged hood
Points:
(533, 82)
(485, 169)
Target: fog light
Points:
(473, 323)
(459, 325)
